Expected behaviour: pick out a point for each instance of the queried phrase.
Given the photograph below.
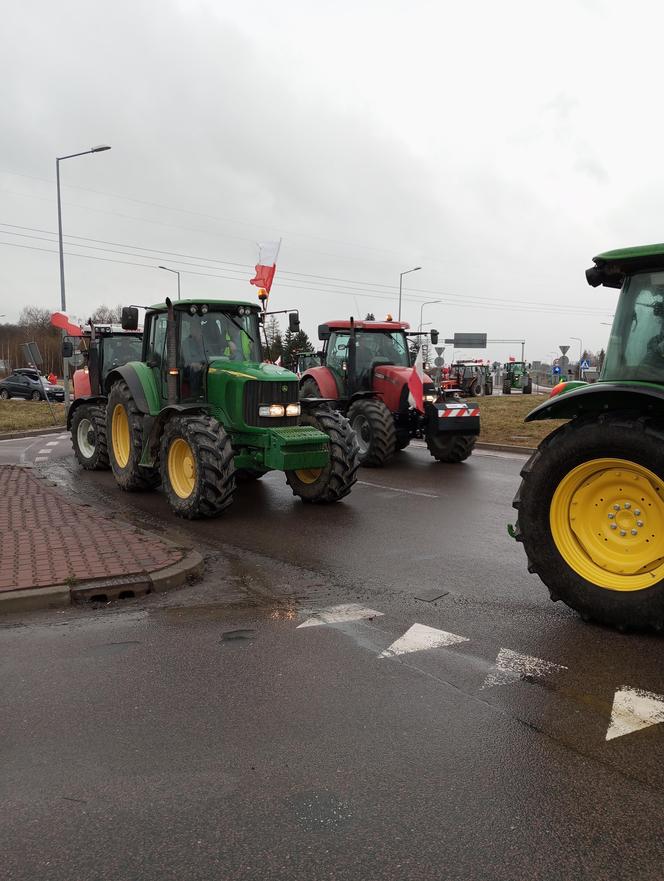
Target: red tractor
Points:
(365, 369)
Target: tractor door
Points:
(156, 352)
(336, 358)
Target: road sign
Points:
(438, 362)
(440, 350)
(32, 354)
(556, 369)
(468, 341)
(564, 349)
(585, 364)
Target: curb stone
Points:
(505, 448)
(33, 432)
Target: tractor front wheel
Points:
(309, 389)
(507, 388)
(591, 518)
(451, 448)
(124, 426)
(335, 480)
(197, 469)
(374, 428)
(88, 435)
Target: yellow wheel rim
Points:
(607, 521)
(181, 468)
(308, 475)
(120, 435)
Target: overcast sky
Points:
(498, 145)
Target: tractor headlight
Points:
(293, 409)
(272, 410)
(204, 309)
(430, 399)
(192, 309)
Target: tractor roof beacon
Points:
(365, 369)
(591, 503)
(201, 411)
(106, 347)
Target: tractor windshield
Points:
(120, 349)
(219, 335)
(383, 346)
(636, 346)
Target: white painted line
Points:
(44, 452)
(512, 666)
(63, 437)
(52, 443)
(634, 709)
(338, 614)
(394, 489)
(41, 458)
(418, 638)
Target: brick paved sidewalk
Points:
(46, 540)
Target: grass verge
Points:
(25, 415)
(501, 420)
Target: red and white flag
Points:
(66, 323)
(416, 383)
(267, 264)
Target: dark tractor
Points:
(516, 375)
(591, 502)
(201, 411)
(365, 370)
(104, 348)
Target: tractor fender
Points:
(154, 427)
(130, 375)
(78, 402)
(324, 379)
(601, 397)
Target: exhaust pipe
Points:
(351, 379)
(171, 366)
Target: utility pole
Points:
(401, 275)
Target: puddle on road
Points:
(224, 612)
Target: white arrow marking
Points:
(634, 709)
(511, 666)
(337, 614)
(420, 637)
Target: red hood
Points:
(397, 375)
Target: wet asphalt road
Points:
(203, 734)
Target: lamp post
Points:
(580, 342)
(401, 275)
(177, 273)
(63, 300)
(426, 303)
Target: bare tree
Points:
(35, 317)
(107, 314)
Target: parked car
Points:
(25, 383)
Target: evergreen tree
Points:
(294, 343)
(273, 336)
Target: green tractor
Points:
(516, 376)
(201, 411)
(591, 502)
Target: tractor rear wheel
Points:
(197, 469)
(88, 435)
(124, 426)
(451, 448)
(309, 389)
(507, 388)
(591, 518)
(476, 389)
(335, 480)
(373, 425)
(528, 388)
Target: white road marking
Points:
(394, 489)
(41, 458)
(634, 709)
(52, 443)
(339, 614)
(511, 666)
(418, 638)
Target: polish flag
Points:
(267, 264)
(416, 384)
(64, 322)
(278, 361)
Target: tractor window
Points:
(636, 347)
(119, 350)
(337, 351)
(218, 335)
(157, 348)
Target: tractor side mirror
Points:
(293, 322)
(434, 337)
(129, 318)
(67, 349)
(323, 332)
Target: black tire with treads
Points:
(132, 476)
(309, 388)
(382, 442)
(215, 470)
(452, 448)
(96, 415)
(619, 436)
(337, 477)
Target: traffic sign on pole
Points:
(585, 364)
(564, 349)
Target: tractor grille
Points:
(257, 394)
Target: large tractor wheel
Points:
(124, 426)
(528, 387)
(451, 448)
(88, 435)
(507, 388)
(373, 425)
(334, 481)
(309, 389)
(476, 389)
(197, 469)
(591, 518)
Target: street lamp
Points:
(580, 342)
(177, 273)
(401, 275)
(426, 303)
(63, 301)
